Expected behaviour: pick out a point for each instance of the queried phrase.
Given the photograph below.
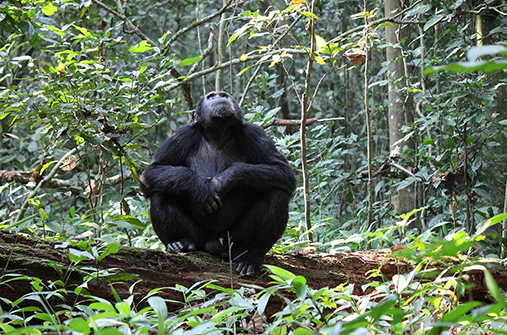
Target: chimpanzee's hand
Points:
(206, 199)
(219, 184)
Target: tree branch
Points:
(285, 122)
(269, 49)
(25, 177)
(165, 49)
(380, 21)
(203, 55)
(122, 17)
(170, 85)
(383, 169)
(185, 88)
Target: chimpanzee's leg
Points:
(175, 228)
(258, 229)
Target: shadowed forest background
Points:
(393, 115)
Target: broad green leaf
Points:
(492, 221)
(310, 15)
(419, 9)
(282, 273)
(320, 60)
(493, 288)
(400, 282)
(102, 306)
(239, 301)
(383, 25)
(82, 30)
(45, 166)
(196, 311)
(78, 255)
(406, 183)
(56, 30)
(321, 43)
(428, 141)
(379, 83)
(143, 67)
(280, 330)
(364, 319)
(246, 13)
(262, 303)
(433, 21)
(244, 70)
(141, 47)
(456, 4)
(226, 313)
(43, 316)
(49, 9)
(302, 331)
(475, 52)
(130, 219)
(238, 33)
(80, 325)
(27, 29)
(32, 147)
(8, 329)
(124, 308)
(299, 283)
(111, 248)
(465, 67)
(159, 306)
(43, 214)
(190, 61)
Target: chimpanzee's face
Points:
(217, 108)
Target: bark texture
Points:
(401, 108)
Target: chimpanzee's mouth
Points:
(222, 109)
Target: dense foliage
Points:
(89, 89)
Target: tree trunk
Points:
(400, 103)
(485, 22)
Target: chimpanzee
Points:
(219, 185)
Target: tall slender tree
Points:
(401, 106)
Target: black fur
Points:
(219, 177)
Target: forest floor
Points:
(47, 260)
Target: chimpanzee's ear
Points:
(195, 118)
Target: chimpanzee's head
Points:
(217, 109)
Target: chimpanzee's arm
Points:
(265, 168)
(170, 175)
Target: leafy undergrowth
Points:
(403, 304)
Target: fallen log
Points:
(47, 260)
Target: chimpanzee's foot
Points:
(245, 269)
(248, 263)
(181, 245)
